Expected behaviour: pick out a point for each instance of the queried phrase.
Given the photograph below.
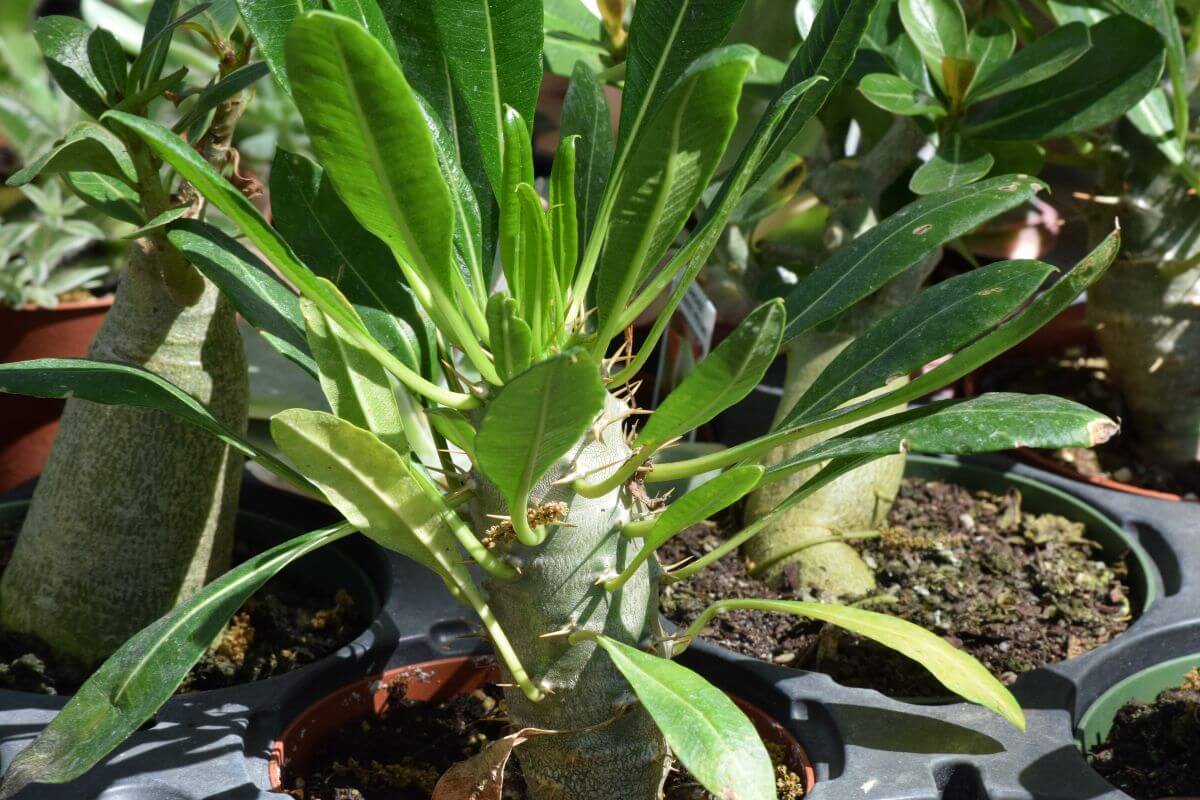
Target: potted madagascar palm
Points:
(513, 443)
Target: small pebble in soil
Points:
(1016, 590)
(1153, 749)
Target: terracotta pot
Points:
(28, 424)
(1069, 329)
(439, 681)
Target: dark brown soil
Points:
(1153, 749)
(1016, 590)
(1082, 376)
(400, 754)
(283, 626)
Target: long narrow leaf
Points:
(143, 674)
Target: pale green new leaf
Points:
(512, 341)
(706, 731)
(533, 421)
(668, 170)
(374, 487)
(358, 389)
(147, 669)
(585, 114)
(956, 162)
(517, 170)
(564, 215)
(368, 14)
(366, 125)
(727, 375)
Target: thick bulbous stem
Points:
(795, 548)
(1148, 327)
(608, 747)
(135, 509)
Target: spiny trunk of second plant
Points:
(799, 548)
(608, 747)
(135, 509)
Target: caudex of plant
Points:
(501, 432)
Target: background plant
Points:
(134, 510)
(545, 490)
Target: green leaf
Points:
(955, 669)
(860, 267)
(87, 147)
(727, 375)
(156, 43)
(1042, 59)
(540, 300)
(1122, 66)
(984, 424)
(269, 21)
(709, 735)
(665, 38)
(368, 129)
(518, 169)
(108, 63)
(895, 94)
(494, 52)
(145, 672)
(564, 215)
(989, 45)
(378, 491)
(368, 14)
(455, 426)
(827, 52)
(512, 341)
(939, 320)
(359, 390)
(534, 420)
(939, 30)
(316, 223)
(121, 384)
(668, 169)
(64, 45)
(107, 195)
(955, 163)
(585, 114)
(1020, 327)
(1152, 117)
(215, 94)
(233, 204)
(366, 125)
(159, 222)
(1161, 16)
(259, 296)
(137, 102)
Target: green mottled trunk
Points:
(795, 549)
(1146, 312)
(135, 509)
(610, 748)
